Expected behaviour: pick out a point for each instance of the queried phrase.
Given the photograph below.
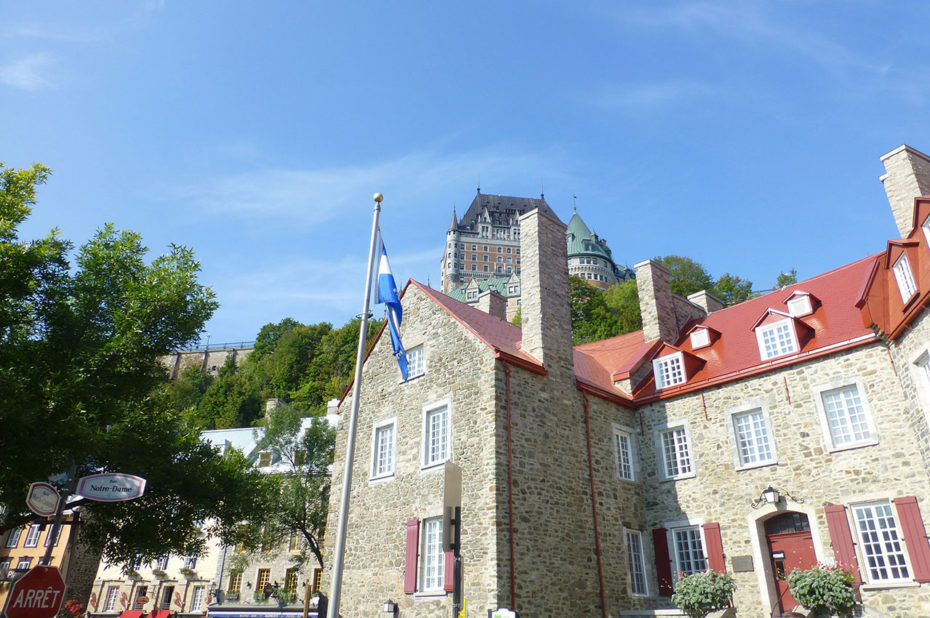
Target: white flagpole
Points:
(336, 589)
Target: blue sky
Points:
(745, 135)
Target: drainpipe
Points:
(597, 538)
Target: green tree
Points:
(685, 275)
(305, 445)
(787, 278)
(623, 300)
(731, 289)
(81, 383)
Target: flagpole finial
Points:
(378, 197)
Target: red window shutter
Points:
(841, 537)
(714, 548)
(448, 572)
(410, 564)
(915, 536)
(663, 562)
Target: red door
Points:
(790, 547)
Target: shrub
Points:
(700, 593)
(828, 588)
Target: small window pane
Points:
(846, 416)
(689, 550)
(752, 438)
(881, 543)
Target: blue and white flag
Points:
(387, 294)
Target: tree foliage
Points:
(305, 365)
(80, 381)
(306, 446)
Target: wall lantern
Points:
(390, 607)
(773, 496)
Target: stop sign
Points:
(37, 594)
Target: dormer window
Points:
(905, 278)
(700, 338)
(777, 339)
(800, 305)
(669, 370)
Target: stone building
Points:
(590, 258)
(787, 430)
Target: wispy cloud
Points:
(640, 96)
(28, 72)
(314, 196)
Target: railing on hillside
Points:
(220, 346)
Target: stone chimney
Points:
(545, 311)
(493, 303)
(907, 175)
(706, 301)
(656, 303)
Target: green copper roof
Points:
(582, 242)
(498, 284)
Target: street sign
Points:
(111, 487)
(42, 499)
(37, 594)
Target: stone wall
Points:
(458, 370)
(209, 361)
(806, 468)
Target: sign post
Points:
(42, 499)
(37, 594)
(111, 487)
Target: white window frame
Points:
(780, 350)
(800, 305)
(13, 539)
(32, 536)
(388, 472)
(700, 338)
(659, 432)
(925, 226)
(905, 277)
(160, 564)
(196, 603)
(672, 530)
(732, 424)
(636, 562)
(865, 558)
(665, 372)
(109, 601)
(920, 372)
(836, 385)
(431, 571)
(626, 470)
(416, 361)
(23, 563)
(427, 460)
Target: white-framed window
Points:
(54, 534)
(880, 543)
(700, 338)
(197, 599)
(161, 563)
(416, 364)
(383, 451)
(905, 278)
(669, 370)
(190, 562)
(688, 548)
(432, 560)
(845, 416)
(624, 453)
(32, 537)
(23, 563)
(752, 438)
(166, 594)
(13, 539)
(800, 305)
(637, 563)
(437, 430)
(109, 602)
(674, 451)
(777, 339)
(926, 228)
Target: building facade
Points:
(785, 431)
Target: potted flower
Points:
(699, 594)
(824, 589)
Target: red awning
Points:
(132, 613)
(160, 613)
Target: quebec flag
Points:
(387, 294)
